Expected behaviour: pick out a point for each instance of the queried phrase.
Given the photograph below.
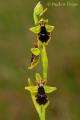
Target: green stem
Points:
(42, 114)
(44, 62)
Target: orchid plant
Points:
(39, 92)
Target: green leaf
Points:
(35, 29)
(38, 77)
(35, 51)
(49, 89)
(49, 28)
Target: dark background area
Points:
(16, 17)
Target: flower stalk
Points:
(44, 63)
(43, 114)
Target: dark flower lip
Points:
(42, 100)
(43, 36)
(41, 97)
(43, 31)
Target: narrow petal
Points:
(38, 77)
(30, 82)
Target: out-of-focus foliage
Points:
(64, 60)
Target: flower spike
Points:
(43, 31)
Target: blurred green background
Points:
(16, 17)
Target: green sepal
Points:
(49, 89)
(35, 51)
(35, 29)
(49, 28)
(37, 106)
(38, 77)
(32, 89)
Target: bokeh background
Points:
(16, 17)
